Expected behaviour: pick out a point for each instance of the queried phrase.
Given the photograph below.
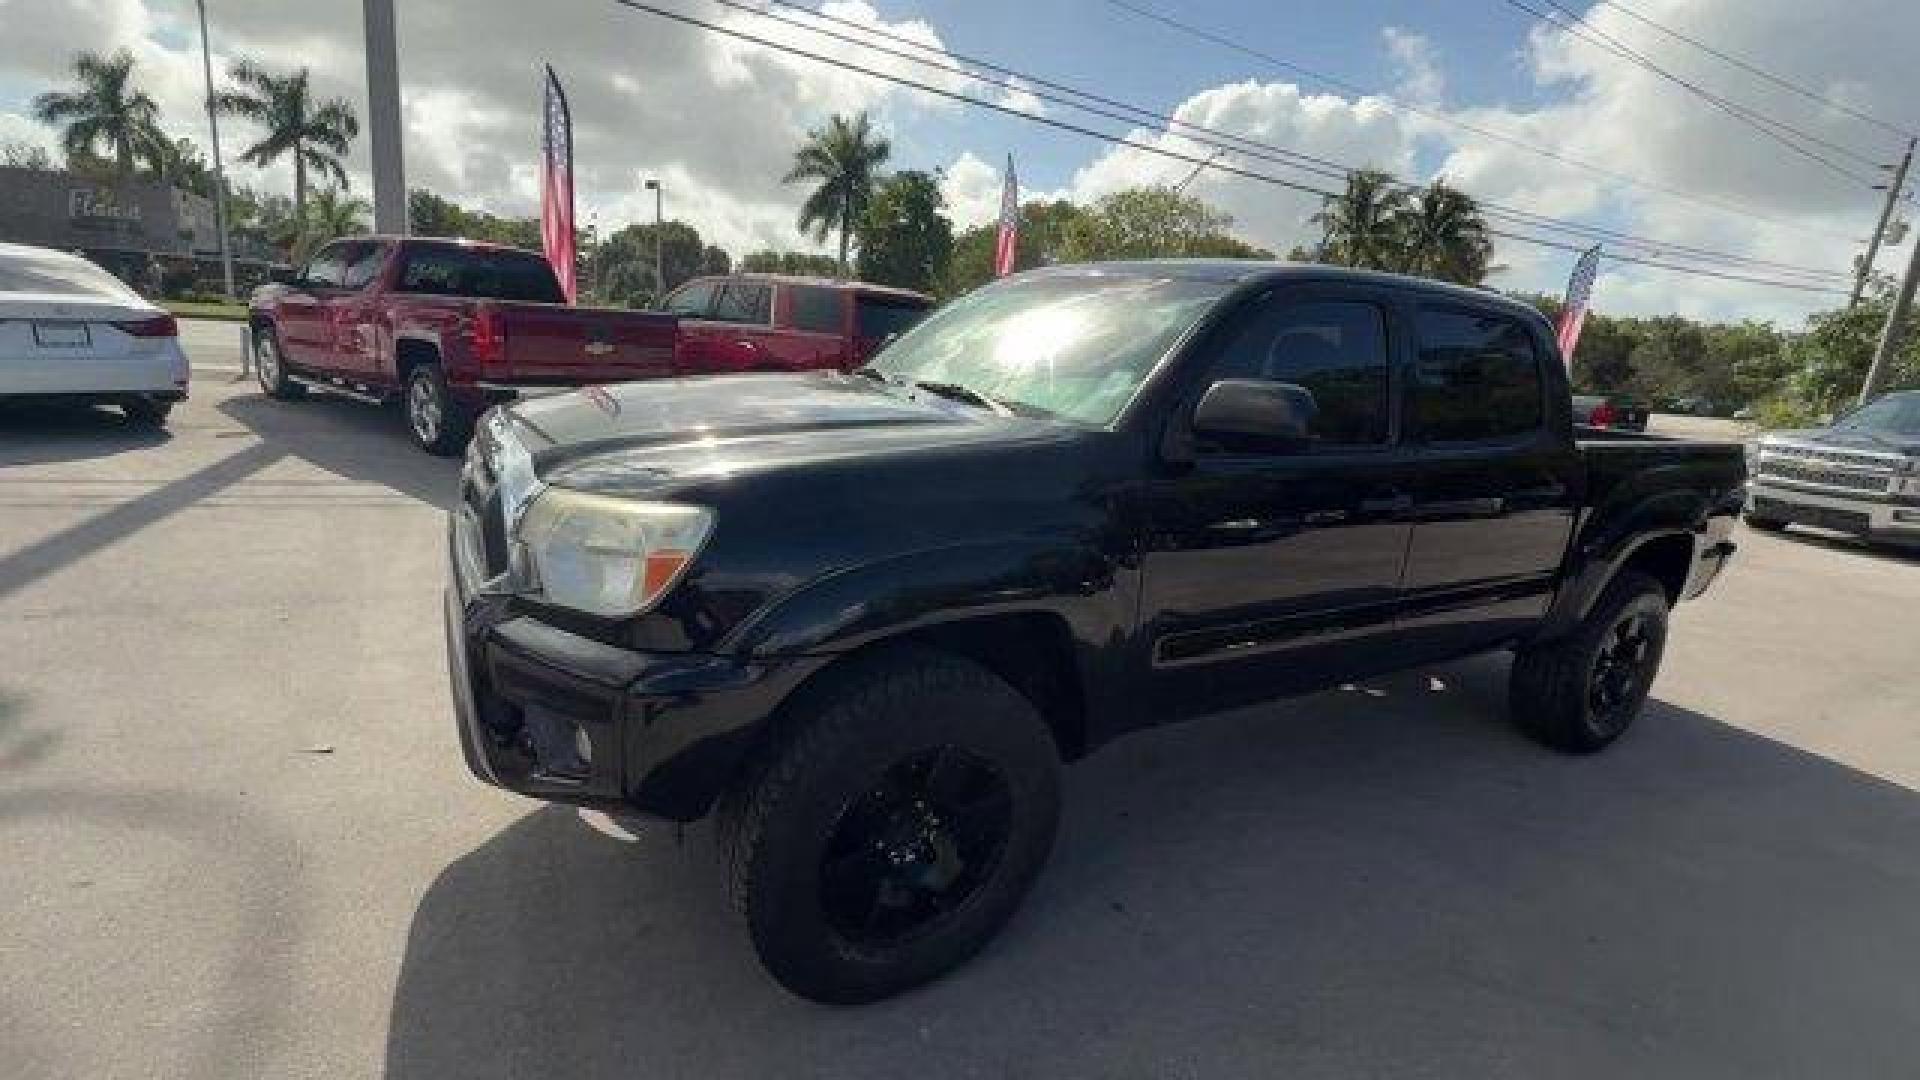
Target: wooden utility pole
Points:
(1880, 230)
(1890, 334)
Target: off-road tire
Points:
(829, 749)
(1552, 689)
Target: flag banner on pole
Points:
(556, 187)
(1008, 240)
(1579, 292)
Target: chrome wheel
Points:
(266, 362)
(424, 409)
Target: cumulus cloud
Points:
(1017, 94)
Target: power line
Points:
(1121, 140)
(1759, 72)
(1747, 214)
(1049, 90)
(1562, 17)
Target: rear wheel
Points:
(147, 412)
(892, 828)
(270, 367)
(438, 423)
(1581, 692)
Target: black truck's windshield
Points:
(1895, 415)
(1073, 345)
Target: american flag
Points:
(1009, 238)
(556, 187)
(1579, 291)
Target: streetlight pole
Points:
(659, 238)
(383, 119)
(219, 170)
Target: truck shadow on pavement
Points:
(1380, 880)
(350, 439)
(39, 434)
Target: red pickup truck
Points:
(770, 322)
(450, 327)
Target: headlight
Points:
(608, 556)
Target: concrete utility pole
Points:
(383, 119)
(1880, 230)
(1890, 334)
(659, 263)
(219, 170)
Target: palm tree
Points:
(107, 110)
(329, 214)
(315, 133)
(1361, 224)
(1443, 235)
(845, 158)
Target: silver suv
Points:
(1859, 475)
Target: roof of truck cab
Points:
(1248, 271)
(866, 287)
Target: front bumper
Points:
(1872, 519)
(556, 716)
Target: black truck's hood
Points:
(634, 437)
(1847, 439)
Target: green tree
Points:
(330, 213)
(20, 154)
(430, 215)
(905, 239)
(1153, 223)
(1363, 224)
(1443, 235)
(621, 266)
(1041, 241)
(842, 161)
(182, 165)
(1831, 358)
(795, 263)
(315, 134)
(108, 110)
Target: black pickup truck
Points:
(863, 617)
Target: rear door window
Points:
(876, 317)
(692, 301)
(817, 309)
(482, 273)
(745, 301)
(1477, 378)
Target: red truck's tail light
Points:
(484, 341)
(158, 326)
(1603, 415)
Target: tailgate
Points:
(553, 343)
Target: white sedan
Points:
(71, 331)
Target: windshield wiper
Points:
(873, 373)
(956, 392)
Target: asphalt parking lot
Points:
(238, 839)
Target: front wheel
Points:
(270, 367)
(438, 423)
(1581, 692)
(892, 827)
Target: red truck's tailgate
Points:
(552, 343)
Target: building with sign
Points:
(124, 225)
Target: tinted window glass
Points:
(875, 317)
(745, 302)
(363, 262)
(1478, 378)
(692, 301)
(486, 273)
(327, 268)
(816, 309)
(1335, 349)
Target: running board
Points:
(356, 391)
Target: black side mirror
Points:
(1253, 414)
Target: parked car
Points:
(1598, 411)
(863, 617)
(1859, 475)
(449, 326)
(70, 331)
(768, 322)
